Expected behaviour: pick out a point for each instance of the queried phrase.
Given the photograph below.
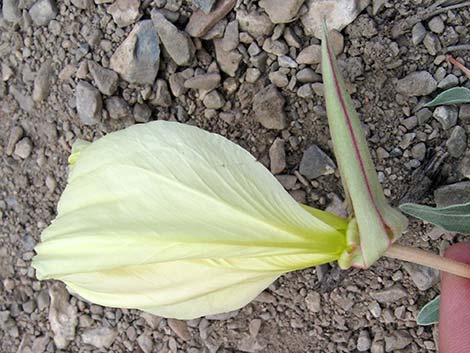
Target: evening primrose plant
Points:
(179, 222)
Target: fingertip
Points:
(459, 252)
(454, 317)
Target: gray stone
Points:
(337, 41)
(423, 115)
(117, 108)
(43, 300)
(423, 277)
(125, 12)
(16, 134)
(151, 320)
(382, 153)
(89, 103)
(436, 24)
(229, 61)
(7, 72)
(201, 23)
(305, 91)
(464, 166)
(363, 341)
(432, 44)
(420, 83)
(278, 78)
(377, 347)
(337, 13)
(180, 328)
(42, 82)
(307, 75)
(464, 113)
(213, 100)
(255, 23)
(419, 151)
(406, 140)
(177, 43)
(397, 340)
(389, 295)
(162, 94)
(26, 102)
(231, 36)
(310, 55)
(281, 11)
(105, 79)
(137, 59)
(447, 115)
(457, 142)
(10, 10)
(287, 61)
(101, 337)
(204, 5)
(145, 342)
(268, 107)
(277, 156)
(217, 31)
(23, 148)
(142, 113)
(254, 49)
(252, 75)
(316, 163)
(418, 33)
(40, 343)
(448, 82)
(377, 6)
(43, 11)
(453, 194)
(29, 306)
(205, 82)
(276, 47)
(176, 82)
(62, 316)
(313, 302)
(83, 4)
(410, 123)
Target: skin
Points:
(454, 320)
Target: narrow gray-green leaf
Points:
(454, 218)
(456, 95)
(429, 314)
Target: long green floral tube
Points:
(378, 224)
(178, 222)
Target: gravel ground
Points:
(82, 68)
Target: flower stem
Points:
(428, 259)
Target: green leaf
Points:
(378, 224)
(429, 314)
(456, 95)
(454, 218)
(173, 220)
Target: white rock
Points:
(125, 12)
(337, 13)
(62, 316)
(101, 337)
(10, 10)
(43, 11)
(281, 11)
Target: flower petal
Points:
(151, 201)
